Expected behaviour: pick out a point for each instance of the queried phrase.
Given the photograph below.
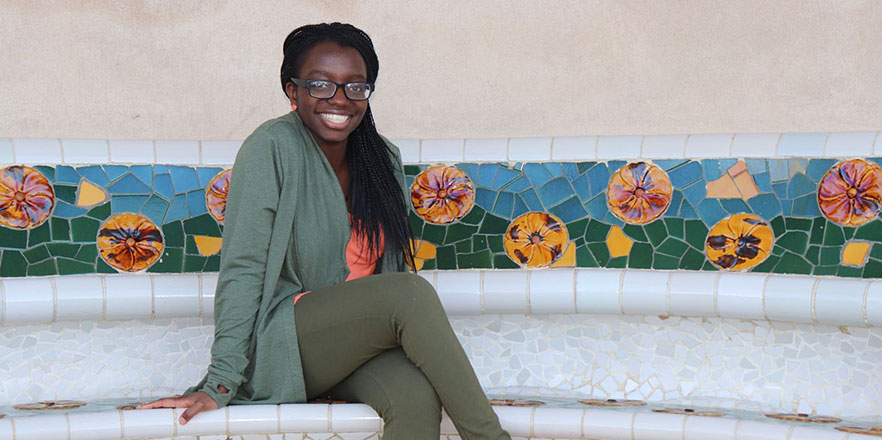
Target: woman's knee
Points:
(407, 287)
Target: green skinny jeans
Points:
(385, 340)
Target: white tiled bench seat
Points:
(559, 418)
(800, 299)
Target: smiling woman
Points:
(316, 215)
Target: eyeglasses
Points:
(324, 89)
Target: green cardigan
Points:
(286, 229)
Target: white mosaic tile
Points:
(708, 145)
(6, 156)
(529, 149)
(37, 151)
(409, 149)
(618, 147)
(177, 152)
(755, 144)
(219, 152)
(574, 148)
(132, 151)
(441, 150)
(663, 146)
(486, 150)
(850, 144)
(84, 151)
(802, 144)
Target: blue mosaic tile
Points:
(877, 160)
(184, 178)
(734, 206)
(763, 182)
(668, 164)
(580, 185)
(818, 167)
(571, 170)
(408, 181)
(206, 174)
(160, 169)
(687, 211)
(712, 169)
(554, 191)
(711, 211)
(48, 172)
(154, 208)
(505, 176)
(66, 210)
(115, 171)
(471, 169)
(597, 207)
(519, 207)
(676, 201)
(695, 193)
(554, 168)
(163, 186)
(178, 209)
(787, 206)
(780, 189)
(531, 200)
(765, 205)
(570, 210)
(779, 169)
(66, 174)
(129, 184)
(756, 166)
(598, 177)
(685, 175)
(725, 164)
(145, 172)
(94, 174)
(485, 198)
(504, 204)
(196, 202)
(520, 184)
(800, 185)
(133, 204)
(486, 174)
(610, 218)
(614, 165)
(537, 174)
(806, 206)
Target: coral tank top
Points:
(359, 265)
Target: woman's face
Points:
(330, 120)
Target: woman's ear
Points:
(291, 91)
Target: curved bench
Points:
(558, 419)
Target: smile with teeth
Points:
(334, 118)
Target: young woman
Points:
(317, 216)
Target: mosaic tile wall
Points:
(797, 216)
(723, 363)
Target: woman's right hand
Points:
(195, 404)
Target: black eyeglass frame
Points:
(305, 83)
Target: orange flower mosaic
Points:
(739, 242)
(535, 239)
(129, 242)
(850, 194)
(442, 194)
(639, 193)
(216, 195)
(26, 197)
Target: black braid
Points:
(376, 201)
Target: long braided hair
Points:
(376, 201)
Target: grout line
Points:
(227, 419)
(122, 425)
(419, 151)
(621, 293)
(103, 279)
(279, 419)
(507, 147)
(683, 428)
(731, 144)
(12, 146)
(199, 151)
(640, 153)
(54, 299)
(717, 294)
(668, 293)
(529, 305)
(67, 422)
(152, 298)
(329, 418)
(199, 281)
(685, 142)
(763, 297)
(789, 432)
(3, 303)
(813, 300)
(596, 146)
(872, 147)
(735, 428)
(480, 290)
(575, 291)
(174, 423)
(864, 304)
(777, 144)
(824, 149)
(532, 416)
(153, 142)
(12, 425)
(107, 141)
(462, 151)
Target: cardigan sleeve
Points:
(252, 201)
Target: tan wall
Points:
(208, 69)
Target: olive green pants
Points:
(385, 340)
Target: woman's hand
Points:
(195, 404)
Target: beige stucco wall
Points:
(208, 69)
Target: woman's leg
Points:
(342, 327)
(401, 394)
